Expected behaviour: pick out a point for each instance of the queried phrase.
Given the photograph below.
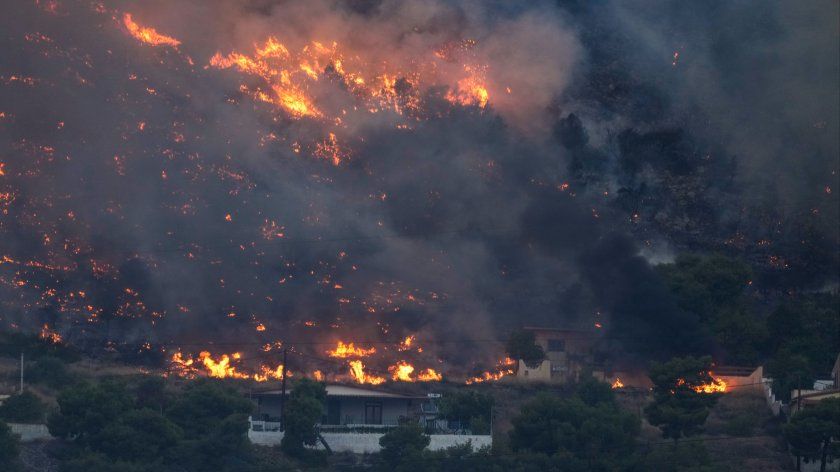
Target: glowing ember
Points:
(349, 350)
(148, 35)
(357, 371)
(618, 383)
(406, 343)
(49, 335)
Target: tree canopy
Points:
(678, 408)
(522, 345)
(304, 409)
(598, 432)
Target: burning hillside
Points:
(376, 190)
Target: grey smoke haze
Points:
(458, 228)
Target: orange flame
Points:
(349, 350)
(357, 371)
(221, 368)
(618, 383)
(402, 371)
(49, 335)
(504, 368)
(429, 375)
(715, 386)
(148, 35)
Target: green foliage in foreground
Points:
(814, 433)
(9, 448)
(112, 427)
(472, 409)
(23, 407)
(304, 409)
(677, 408)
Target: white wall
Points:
(360, 443)
(30, 432)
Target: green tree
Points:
(678, 408)
(402, 448)
(143, 436)
(204, 405)
(304, 409)
(807, 327)
(522, 345)
(23, 407)
(151, 393)
(713, 287)
(591, 435)
(472, 409)
(705, 284)
(790, 371)
(593, 392)
(9, 448)
(85, 410)
(813, 432)
(50, 371)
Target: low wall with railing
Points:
(361, 443)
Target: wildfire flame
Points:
(618, 383)
(49, 335)
(402, 371)
(221, 368)
(289, 78)
(148, 35)
(504, 368)
(349, 350)
(357, 372)
(717, 385)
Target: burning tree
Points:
(522, 345)
(684, 391)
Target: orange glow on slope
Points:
(148, 35)
(357, 371)
(618, 383)
(49, 335)
(290, 78)
(349, 350)
(221, 368)
(504, 368)
(330, 150)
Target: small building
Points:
(346, 406)
(356, 419)
(568, 352)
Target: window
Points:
(373, 412)
(555, 345)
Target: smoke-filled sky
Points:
(445, 169)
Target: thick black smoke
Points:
(145, 198)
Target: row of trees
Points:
(586, 432)
(797, 341)
(112, 426)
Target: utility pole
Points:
(283, 393)
(21, 371)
